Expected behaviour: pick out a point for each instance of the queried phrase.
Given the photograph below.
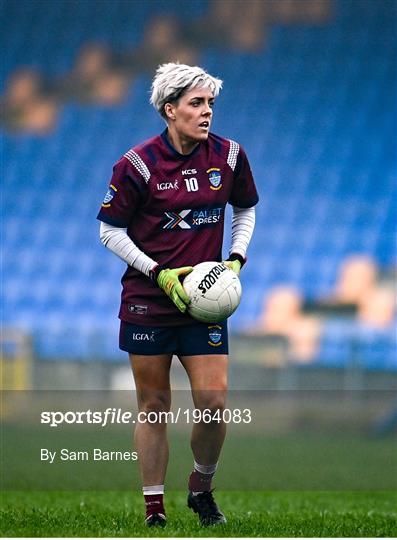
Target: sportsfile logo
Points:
(193, 219)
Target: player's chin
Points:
(202, 135)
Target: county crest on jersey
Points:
(173, 208)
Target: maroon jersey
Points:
(173, 207)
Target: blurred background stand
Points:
(309, 92)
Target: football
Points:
(214, 291)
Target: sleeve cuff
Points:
(154, 272)
(237, 257)
(110, 221)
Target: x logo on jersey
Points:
(176, 220)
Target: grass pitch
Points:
(304, 483)
(250, 514)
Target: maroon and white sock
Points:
(201, 477)
(154, 500)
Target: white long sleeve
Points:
(243, 223)
(117, 240)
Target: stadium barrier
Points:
(16, 361)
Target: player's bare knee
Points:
(211, 399)
(156, 400)
(213, 404)
(155, 406)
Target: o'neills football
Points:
(214, 291)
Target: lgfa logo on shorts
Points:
(215, 335)
(140, 336)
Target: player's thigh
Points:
(203, 351)
(206, 372)
(151, 372)
(152, 380)
(208, 379)
(150, 350)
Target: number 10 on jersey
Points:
(191, 184)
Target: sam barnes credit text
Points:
(96, 454)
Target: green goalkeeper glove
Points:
(168, 280)
(233, 265)
(235, 262)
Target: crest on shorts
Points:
(215, 335)
(109, 196)
(215, 178)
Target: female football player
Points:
(162, 214)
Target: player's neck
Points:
(181, 144)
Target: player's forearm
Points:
(243, 223)
(117, 240)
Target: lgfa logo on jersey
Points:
(111, 192)
(161, 186)
(215, 178)
(215, 335)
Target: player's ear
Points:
(169, 110)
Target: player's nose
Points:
(207, 111)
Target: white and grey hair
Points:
(172, 80)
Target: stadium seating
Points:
(315, 111)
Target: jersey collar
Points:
(175, 152)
